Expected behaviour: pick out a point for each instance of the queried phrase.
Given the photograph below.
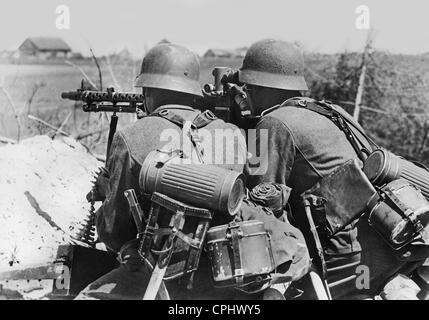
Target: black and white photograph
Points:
(232, 151)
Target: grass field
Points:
(36, 90)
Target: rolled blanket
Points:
(271, 195)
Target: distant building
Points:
(218, 53)
(45, 47)
(223, 53)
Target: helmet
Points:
(171, 67)
(273, 63)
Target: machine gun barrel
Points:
(107, 101)
(89, 96)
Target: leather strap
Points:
(236, 234)
(146, 237)
(176, 224)
(204, 118)
(195, 252)
(200, 120)
(179, 212)
(170, 116)
(406, 212)
(327, 110)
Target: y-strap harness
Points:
(179, 211)
(327, 110)
(201, 120)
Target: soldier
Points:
(303, 147)
(170, 81)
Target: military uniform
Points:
(303, 147)
(129, 149)
(115, 225)
(117, 230)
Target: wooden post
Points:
(358, 100)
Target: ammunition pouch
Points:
(240, 255)
(339, 198)
(398, 212)
(174, 233)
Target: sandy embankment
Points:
(43, 184)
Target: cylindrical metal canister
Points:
(399, 212)
(201, 185)
(254, 250)
(382, 167)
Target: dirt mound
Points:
(43, 184)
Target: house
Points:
(45, 47)
(219, 53)
(223, 53)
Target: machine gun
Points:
(225, 98)
(108, 101)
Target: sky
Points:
(326, 26)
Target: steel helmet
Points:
(273, 63)
(171, 67)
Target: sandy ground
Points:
(43, 184)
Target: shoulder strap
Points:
(170, 116)
(350, 121)
(201, 120)
(326, 109)
(204, 118)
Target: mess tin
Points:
(398, 212)
(239, 253)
